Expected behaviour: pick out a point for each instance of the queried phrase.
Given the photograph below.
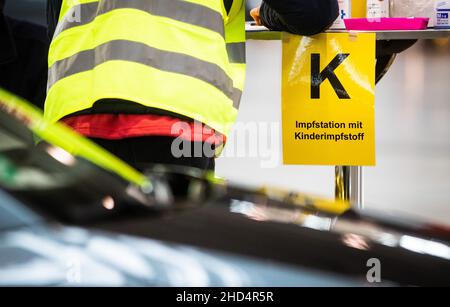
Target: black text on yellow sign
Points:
(328, 103)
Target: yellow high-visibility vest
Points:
(181, 56)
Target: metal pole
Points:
(349, 185)
(342, 183)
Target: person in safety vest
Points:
(159, 81)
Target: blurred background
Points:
(412, 175)
(31, 10)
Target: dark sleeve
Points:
(53, 10)
(7, 50)
(303, 17)
(26, 74)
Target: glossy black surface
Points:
(253, 225)
(189, 208)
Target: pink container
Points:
(385, 24)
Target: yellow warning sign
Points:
(328, 103)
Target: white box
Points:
(378, 8)
(442, 14)
(345, 11)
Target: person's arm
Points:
(23, 58)
(303, 17)
(53, 10)
(8, 49)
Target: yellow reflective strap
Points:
(130, 51)
(235, 33)
(215, 5)
(235, 29)
(62, 136)
(238, 75)
(224, 12)
(142, 84)
(162, 33)
(236, 8)
(183, 11)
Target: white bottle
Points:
(378, 9)
(345, 11)
(442, 14)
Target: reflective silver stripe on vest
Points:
(187, 12)
(237, 95)
(236, 53)
(140, 53)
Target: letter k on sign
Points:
(318, 77)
